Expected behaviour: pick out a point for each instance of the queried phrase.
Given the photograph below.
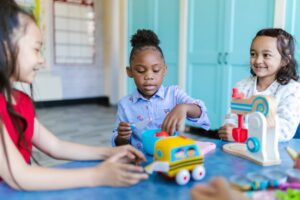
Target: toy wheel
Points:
(183, 177)
(253, 144)
(198, 173)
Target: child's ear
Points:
(166, 70)
(129, 71)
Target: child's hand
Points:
(133, 156)
(175, 119)
(113, 172)
(225, 132)
(217, 189)
(124, 132)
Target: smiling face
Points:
(29, 59)
(265, 58)
(148, 70)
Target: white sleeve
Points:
(288, 111)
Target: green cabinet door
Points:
(219, 38)
(204, 46)
(161, 16)
(292, 16)
(243, 20)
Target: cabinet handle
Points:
(225, 58)
(219, 58)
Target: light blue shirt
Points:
(150, 113)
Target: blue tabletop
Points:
(217, 163)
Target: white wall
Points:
(115, 44)
(58, 82)
(279, 18)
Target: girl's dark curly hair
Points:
(286, 48)
(143, 39)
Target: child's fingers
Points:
(132, 157)
(205, 189)
(223, 136)
(133, 171)
(124, 124)
(180, 125)
(124, 127)
(203, 192)
(165, 122)
(124, 133)
(170, 126)
(132, 168)
(129, 158)
(137, 154)
(223, 133)
(127, 155)
(134, 178)
(219, 182)
(130, 178)
(118, 156)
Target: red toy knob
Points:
(236, 94)
(161, 134)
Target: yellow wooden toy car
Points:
(177, 156)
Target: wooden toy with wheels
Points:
(261, 138)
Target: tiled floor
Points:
(86, 124)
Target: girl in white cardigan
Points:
(273, 69)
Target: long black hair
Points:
(14, 21)
(286, 48)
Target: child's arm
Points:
(177, 116)
(288, 111)
(47, 142)
(193, 109)
(122, 130)
(44, 140)
(19, 175)
(201, 120)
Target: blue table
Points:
(156, 187)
